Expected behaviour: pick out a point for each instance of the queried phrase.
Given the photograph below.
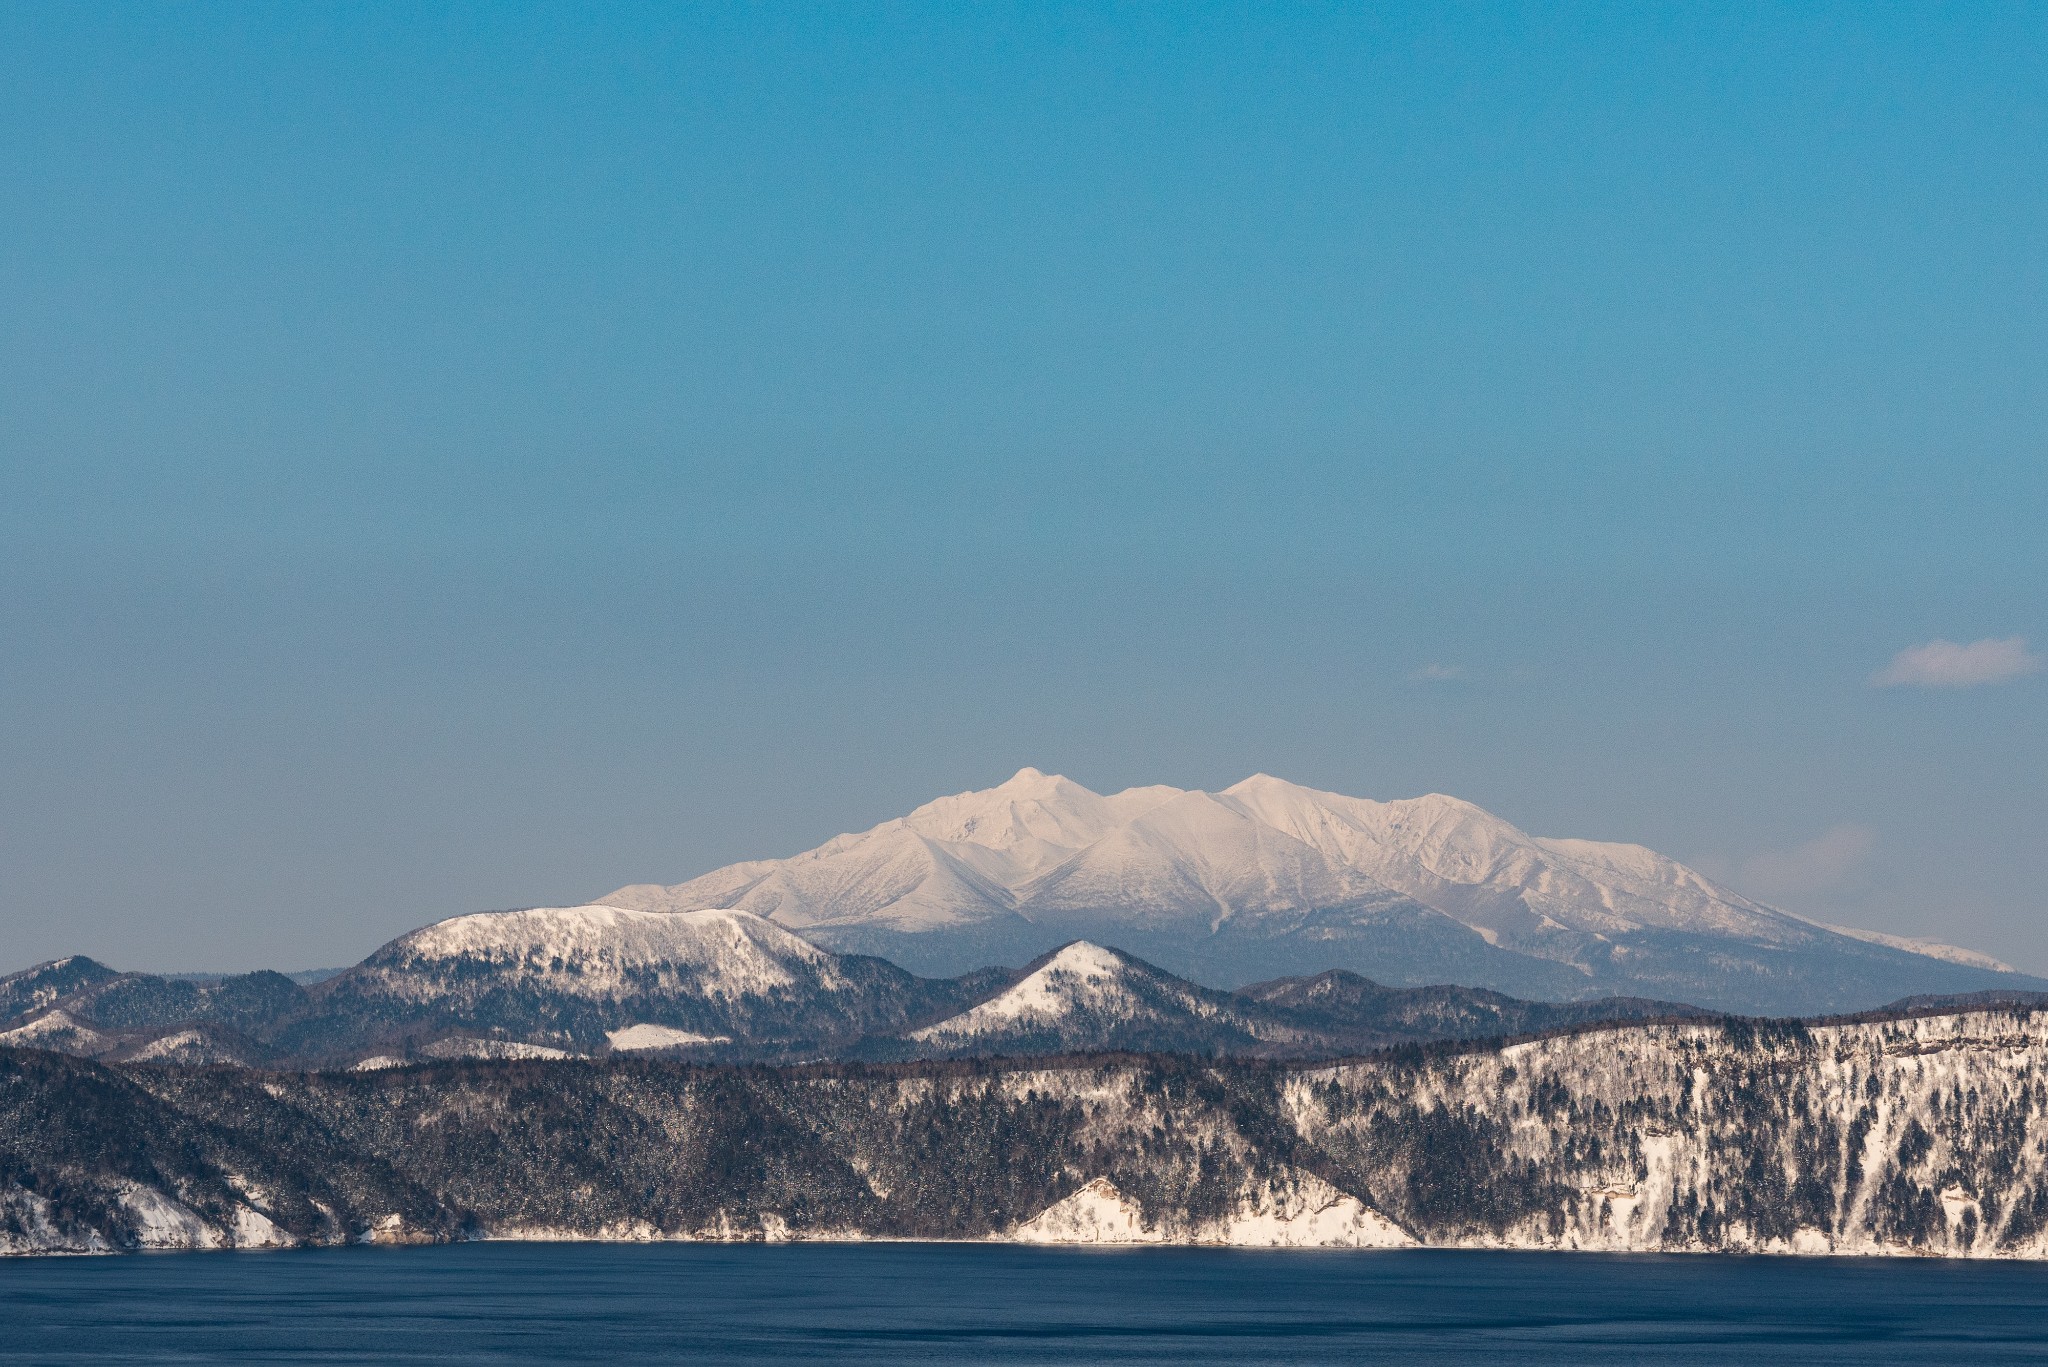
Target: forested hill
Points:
(1921, 1134)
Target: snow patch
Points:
(464, 1046)
(188, 1047)
(1933, 949)
(28, 1225)
(1096, 1214)
(173, 1046)
(59, 1031)
(634, 1037)
(1301, 1210)
(253, 1229)
(160, 1222)
(1294, 1210)
(392, 1229)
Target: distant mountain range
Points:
(555, 1072)
(1084, 997)
(727, 986)
(1268, 879)
(1359, 924)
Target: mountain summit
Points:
(1268, 878)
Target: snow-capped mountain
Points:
(1086, 997)
(584, 979)
(543, 983)
(1268, 878)
(603, 953)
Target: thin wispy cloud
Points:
(1436, 673)
(1821, 864)
(1945, 664)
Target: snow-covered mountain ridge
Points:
(602, 951)
(1268, 878)
(581, 982)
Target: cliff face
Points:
(1919, 1135)
(1913, 1135)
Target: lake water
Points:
(575, 1303)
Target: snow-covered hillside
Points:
(1909, 1134)
(604, 952)
(58, 1030)
(590, 978)
(1085, 997)
(547, 982)
(1267, 878)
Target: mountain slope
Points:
(577, 978)
(547, 982)
(1084, 997)
(1269, 879)
(78, 1006)
(44, 985)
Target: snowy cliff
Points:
(1909, 1134)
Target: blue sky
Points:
(460, 457)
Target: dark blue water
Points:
(530, 1303)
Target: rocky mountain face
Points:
(1269, 879)
(720, 985)
(1914, 1134)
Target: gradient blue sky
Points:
(464, 457)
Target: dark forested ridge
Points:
(1921, 1133)
(1368, 1015)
